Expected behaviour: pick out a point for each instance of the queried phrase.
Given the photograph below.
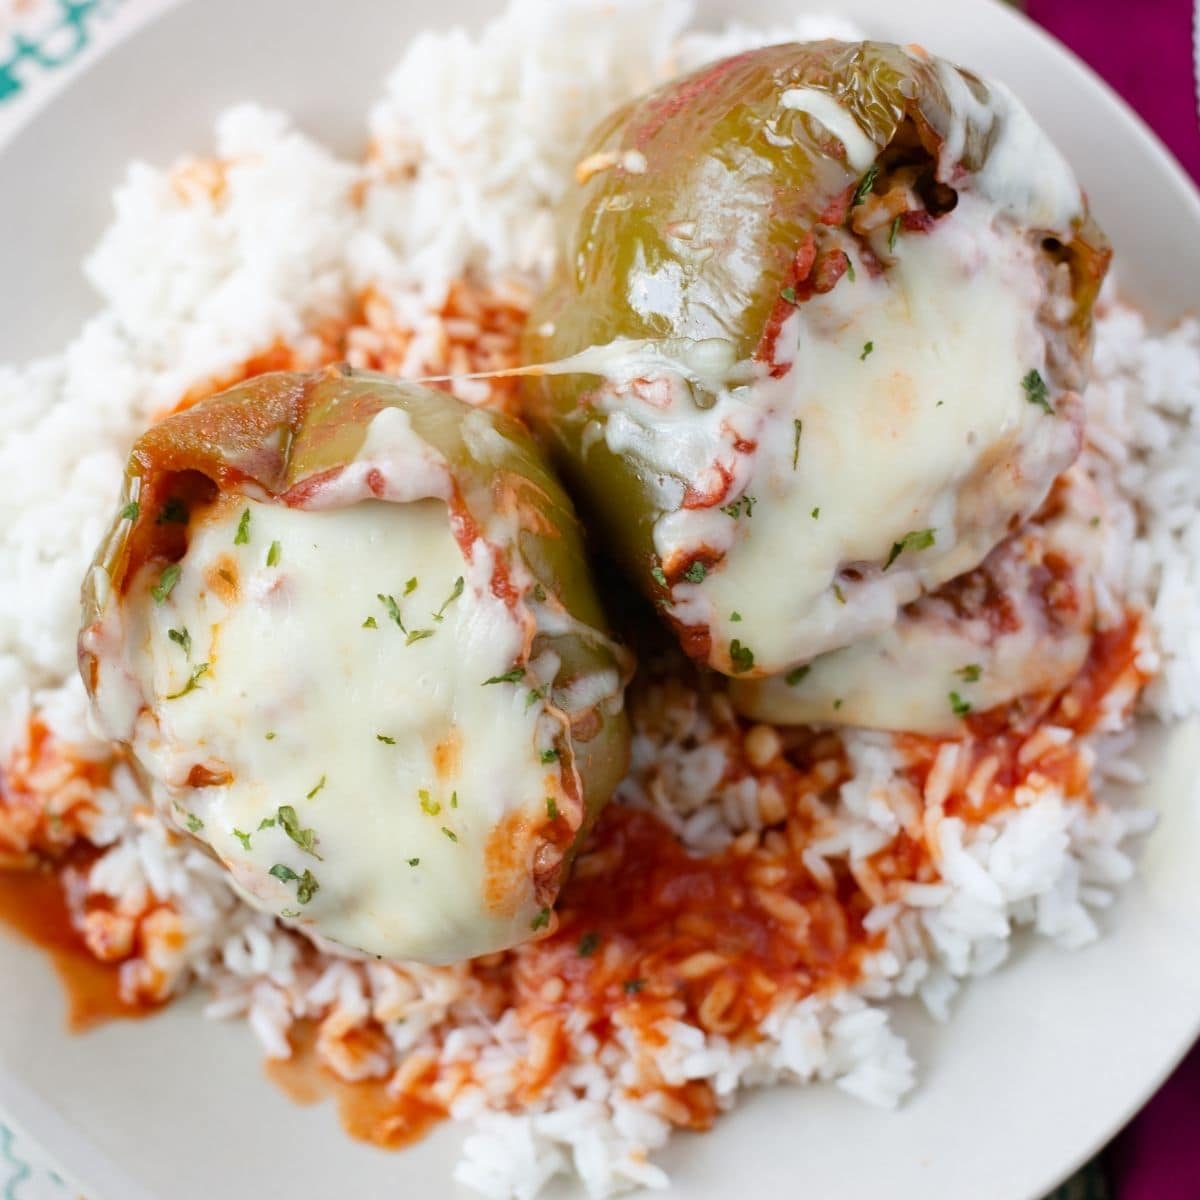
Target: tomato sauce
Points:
(33, 905)
(1111, 662)
(1002, 737)
(714, 940)
(368, 1111)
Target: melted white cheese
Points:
(913, 677)
(302, 705)
(394, 463)
(861, 150)
(1025, 174)
(928, 429)
(936, 660)
(708, 362)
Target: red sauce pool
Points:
(367, 1111)
(630, 930)
(33, 906)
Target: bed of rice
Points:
(422, 260)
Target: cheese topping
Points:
(951, 655)
(860, 149)
(1025, 174)
(929, 433)
(359, 763)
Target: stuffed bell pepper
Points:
(346, 629)
(816, 341)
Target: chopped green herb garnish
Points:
(453, 799)
(539, 593)
(193, 682)
(865, 184)
(288, 913)
(455, 592)
(541, 920)
(393, 609)
(633, 986)
(410, 586)
(816, 513)
(796, 674)
(798, 428)
(1036, 391)
(181, 638)
(274, 554)
(741, 656)
(267, 823)
(735, 509)
(959, 706)
(270, 736)
(166, 582)
(244, 838)
(895, 229)
(130, 511)
(513, 676)
(307, 887)
(659, 576)
(697, 572)
(318, 786)
(970, 673)
(549, 756)
(735, 616)
(306, 839)
(370, 623)
(1094, 522)
(418, 635)
(243, 530)
(174, 512)
(915, 539)
(414, 862)
(383, 737)
(535, 694)
(836, 705)
(588, 944)
(867, 348)
(552, 808)
(849, 269)
(285, 874)
(193, 823)
(837, 591)
(788, 294)
(428, 803)
(450, 834)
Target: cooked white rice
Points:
(471, 145)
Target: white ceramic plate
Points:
(1041, 1063)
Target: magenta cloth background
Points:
(1158, 1156)
(1144, 48)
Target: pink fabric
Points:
(1144, 49)
(1158, 1156)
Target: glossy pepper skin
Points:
(694, 218)
(280, 435)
